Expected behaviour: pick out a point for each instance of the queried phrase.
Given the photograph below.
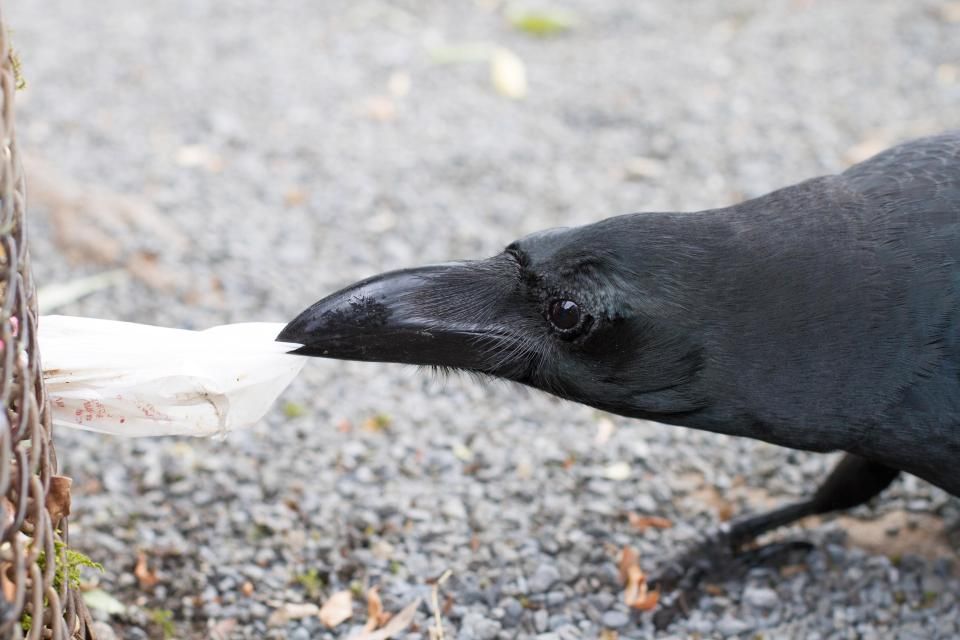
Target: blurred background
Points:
(197, 163)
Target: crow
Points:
(824, 316)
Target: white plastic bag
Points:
(132, 379)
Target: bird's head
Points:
(574, 312)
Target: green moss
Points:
(21, 82)
(68, 565)
(294, 410)
(356, 589)
(163, 618)
(312, 582)
(543, 23)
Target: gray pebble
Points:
(543, 578)
(479, 627)
(300, 634)
(541, 620)
(760, 597)
(615, 619)
(730, 626)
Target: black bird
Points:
(824, 316)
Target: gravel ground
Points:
(298, 148)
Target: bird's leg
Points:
(852, 482)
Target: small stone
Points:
(761, 597)
(615, 619)
(541, 620)
(512, 612)
(729, 626)
(543, 578)
(479, 627)
(300, 634)
(104, 631)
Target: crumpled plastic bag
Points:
(133, 379)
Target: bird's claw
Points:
(716, 558)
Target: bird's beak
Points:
(442, 315)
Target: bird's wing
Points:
(925, 172)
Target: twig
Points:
(435, 602)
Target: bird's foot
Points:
(683, 580)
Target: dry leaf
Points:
(642, 523)
(293, 611)
(628, 558)
(145, 576)
(375, 613)
(636, 593)
(608, 634)
(647, 601)
(508, 73)
(396, 625)
(89, 221)
(337, 609)
(58, 498)
(247, 588)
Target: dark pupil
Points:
(564, 314)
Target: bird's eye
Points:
(564, 314)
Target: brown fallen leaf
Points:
(145, 576)
(642, 523)
(336, 609)
(292, 611)
(636, 593)
(247, 588)
(58, 498)
(376, 616)
(89, 220)
(647, 601)
(395, 626)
